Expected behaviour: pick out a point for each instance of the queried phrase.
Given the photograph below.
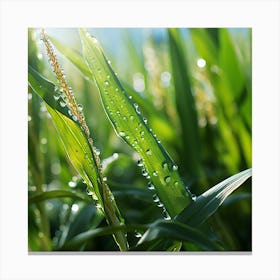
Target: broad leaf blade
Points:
(132, 127)
(73, 138)
(208, 202)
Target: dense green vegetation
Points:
(128, 161)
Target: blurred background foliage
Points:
(194, 87)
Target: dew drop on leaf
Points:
(165, 165)
(80, 107)
(167, 179)
(106, 83)
(155, 198)
(62, 104)
(56, 96)
(175, 167)
(149, 152)
(74, 118)
(122, 133)
(166, 215)
(155, 173)
(151, 186)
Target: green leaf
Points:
(74, 56)
(205, 45)
(73, 138)
(185, 104)
(57, 194)
(78, 61)
(93, 233)
(175, 231)
(132, 127)
(78, 149)
(207, 203)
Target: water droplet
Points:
(56, 96)
(131, 117)
(165, 165)
(29, 118)
(127, 137)
(142, 133)
(193, 197)
(140, 162)
(176, 183)
(175, 167)
(144, 172)
(124, 118)
(62, 104)
(80, 107)
(149, 152)
(97, 151)
(104, 179)
(155, 173)
(137, 234)
(70, 113)
(75, 118)
(155, 198)
(167, 179)
(166, 215)
(145, 120)
(89, 191)
(151, 186)
(106, 83)
(108, 77)
(122, 133)
(159, 204)
(86, 155)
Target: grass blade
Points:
(132, 127)
(185, 105)
(57, 194)
(78, 148)
(207, 203)
(175, 231)
(156, 116)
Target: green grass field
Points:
(139, 139)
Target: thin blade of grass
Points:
(207, 203)
(132, 127)
(185, 105)
(57, 194)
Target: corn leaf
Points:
(207, 203)
(157, 117)
(73, 138)
(133, 128)
(173, 230)
(185, 105)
